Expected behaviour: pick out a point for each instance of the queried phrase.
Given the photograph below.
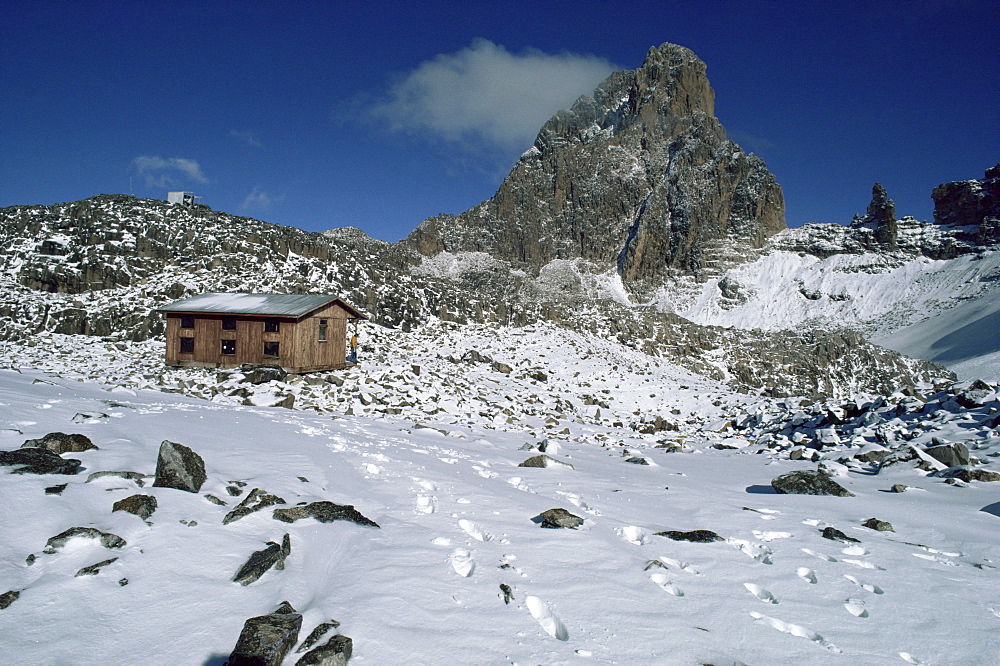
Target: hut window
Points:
(187, 321)
(271, 325)
(228, 347)
(187, 345)
(271, 349)
(229, 323)
(322, 330)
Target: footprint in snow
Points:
(473, 530)
(546, 619)
(854, 550)
(806, 574)
(760, 593)
(935, 558)
(825, 558)
(795, 630)
(372, 468)
(856, 607)
(771, 536)
(426, 485)
(634, 535)
(910, 659)
(868, 587)
(664, 582)
(462, 562)
(757, 551)
(863, 564)
(426, 504)
(683, 566)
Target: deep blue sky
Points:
(379, 114)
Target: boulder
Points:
(543, 461)
(335, 652)
(260, 561)
(815, 482)
(33, 460)
(952, 455)
(324, 512)
(878, 525)
(266, 639)
(107, 539)
(140, 505)
(694, 536)
(261, 373)
(558, 518)
(60, 443)
(179, 467)
(978, 393)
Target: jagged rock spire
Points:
(638, 176)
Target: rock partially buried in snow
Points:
(543, 461)
(179, 467)
(324, 512)
(335, 652)
(38, 461)
(559, 518)
(262, 560)
(878, 525)
(266, 639)
(60, 443)
(107, 539)
(140, 505)
(968, 474)
(952, 455)
(255, 501)
(694, 536)
(7, 598)
(833, 534)
(815, 482)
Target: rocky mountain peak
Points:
(638, 178)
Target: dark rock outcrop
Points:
(694, 536)
(60, 443)
(817, 482)
(971, 203)
(639, 177)
(266, 639)
(968, 474)
(878, 525)
(335, 652)
(882, 215)
(324, 512)
(833, 534)
(952, 455)
(260, 561)
(7, 598)
(558, 518)
(179, 467)
(543, 461)
(107, 539)
(34, 460)
(256, 500)
(140, 505)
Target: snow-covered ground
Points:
(431, 454)
(944, 311)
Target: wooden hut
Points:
(299, 332)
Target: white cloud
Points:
(485, 92)
(160, 172)
(247, 137)
(259, 200)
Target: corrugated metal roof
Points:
(286, 305)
